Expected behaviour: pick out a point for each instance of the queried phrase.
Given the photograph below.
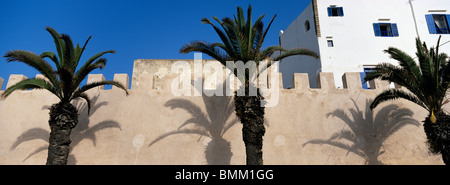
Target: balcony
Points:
(443, 30)
(386, 34)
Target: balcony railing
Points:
(443, 30)
(386, 34)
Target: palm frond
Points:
(206, 48)
(34, 61)
(396, 74)
(225, 40)
(59, 44)
(82, 73)
(264, 54)
(52, 56)
(267, 30)
(97, 84)
(95, 57)
(80, 52)
(69, 63)
(392, 94)
(406, 61)
(86, 98)
(229, 26)
(259, 34)
(32, 83)
(299, 51)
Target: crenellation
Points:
(379, 84)
(325, 81)
(14, 78)
(301, 82)
(122, 78)
(162, 81)
(96, 78)
(159, 76)
(280, 81)
(352, 81)
(41, 76)
(1, 83)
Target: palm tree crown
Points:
(427, 82)
(65, 80)
(241, 41)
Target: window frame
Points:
(340, 11)
(330, 41)
(392, 33)
(432, 29)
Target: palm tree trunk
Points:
(63, 118)
(251, 114)
(438, 135)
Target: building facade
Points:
(350, 35)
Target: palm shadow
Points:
(80, 132)
(368, 133)
(213, 123)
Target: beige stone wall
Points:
(152, 126)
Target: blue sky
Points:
(135, 29)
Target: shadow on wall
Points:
(212, 124)
(80, 132)
(368, 133)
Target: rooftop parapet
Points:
(159, 76)
(121, 77)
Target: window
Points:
(330, 43)
(385, 29)
(438, 23)
(307, 26)
(335, 11)
(363, 75)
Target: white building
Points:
(350, 35)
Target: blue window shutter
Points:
(330, 13)
(364, 85)
(430, 22)
(376, 29)
(448, 20)
(394, 30)
(341, 11)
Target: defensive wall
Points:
(321, 125)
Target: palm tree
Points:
(64, 83)
(426, 84)
(242, 41)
